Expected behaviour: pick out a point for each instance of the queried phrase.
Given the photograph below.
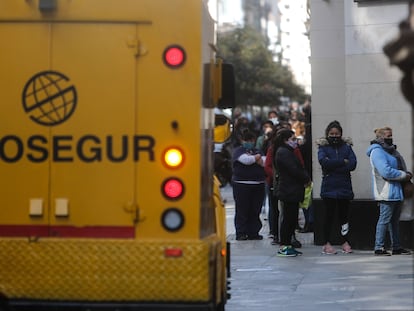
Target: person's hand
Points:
(308, 184)
(408, 176)
(346, 161)
(259, 159)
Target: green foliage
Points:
(260, 80)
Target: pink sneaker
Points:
(327, 249)
(346, 248)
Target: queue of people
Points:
(273, 167)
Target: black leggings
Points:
(342, 207)
(289, 221)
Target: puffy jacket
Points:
(336, 174)
(386, 177)
(292, 176)
(242, 172)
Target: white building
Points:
(294, 40)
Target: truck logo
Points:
(49, 98)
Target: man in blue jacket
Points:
(388, 171)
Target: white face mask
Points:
(275, 121)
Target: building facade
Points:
(352, 80)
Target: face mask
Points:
(275, 121)
(293, 144)
(248, 145)
(334, 140)
(388, 141)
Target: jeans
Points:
(389, 219)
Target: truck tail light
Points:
(172, 219)
(173, 157)
(173, 188)
(174, 56)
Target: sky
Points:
(231, 11)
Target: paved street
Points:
(360, 281)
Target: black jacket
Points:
(292, 176)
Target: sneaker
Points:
(401, 251)
(286, 251)
(327, 249)
(298, 253)
(255, 237)
(346, 248)
(381, 252)
(242, 237)
(270, 235)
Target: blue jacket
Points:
(386, 177)
(336, 174)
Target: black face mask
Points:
(334, 140)
(388, 141)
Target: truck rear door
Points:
(68, 101)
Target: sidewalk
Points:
(359, 281)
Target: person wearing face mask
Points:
(248, 182)
(273, 116)
(388, 171)
(337, 160)
(263, 141)
(291, 179)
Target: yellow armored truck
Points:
(107, 194)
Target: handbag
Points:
(408, 189)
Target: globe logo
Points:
(49, 98)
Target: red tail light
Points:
(173, 188)
(174, 56)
